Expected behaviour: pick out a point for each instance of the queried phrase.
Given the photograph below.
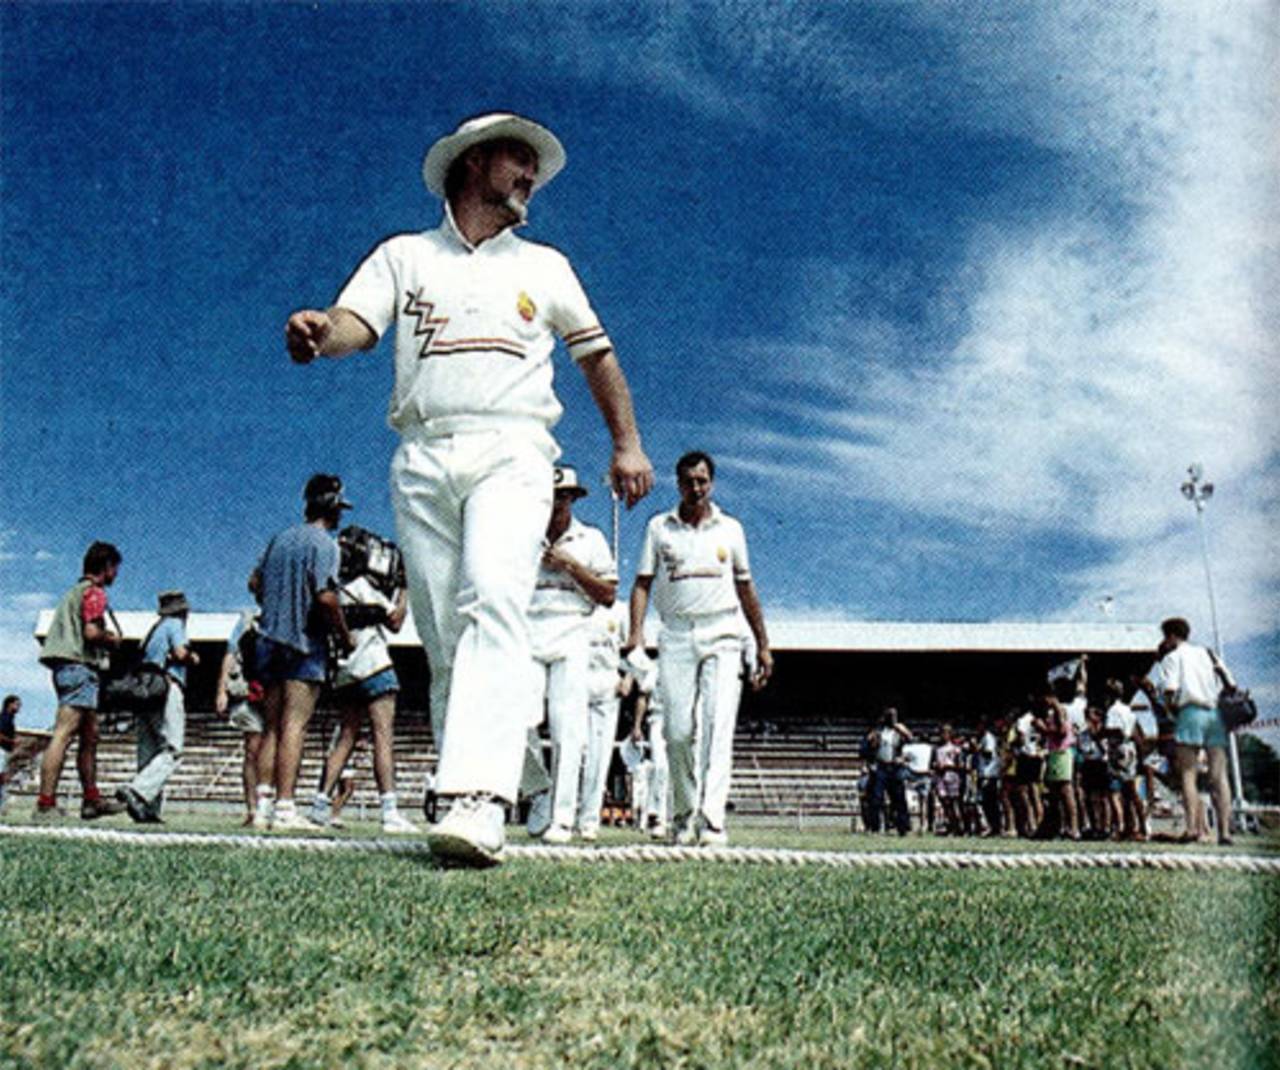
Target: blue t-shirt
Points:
(168, 635)
(297, 565)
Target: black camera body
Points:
(362, 553)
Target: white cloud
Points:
(1096, 362)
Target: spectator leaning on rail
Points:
(296, 582)
(77, 650)
(161, 728)
(1190, 685)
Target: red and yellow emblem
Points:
(526, 307)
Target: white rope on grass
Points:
(1166, 861)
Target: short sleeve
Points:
(648, 564)
(370, 292)
(93, 607)
(741, 565)
(573, 318)
(601, 562)
(327, 566)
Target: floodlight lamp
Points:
(1196, 472)
(1189, 491)
(1206, 491)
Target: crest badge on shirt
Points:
(722, 555)
(526, 307)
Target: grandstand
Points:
(798, 741)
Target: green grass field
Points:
(229, 957)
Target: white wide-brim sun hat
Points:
(491, 127)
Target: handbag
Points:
(139, 687)
(1236, 707)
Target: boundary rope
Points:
(654, 853)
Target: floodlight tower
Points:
(1198, 492)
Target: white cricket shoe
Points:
(658, 831)
(589, 834)
(557, 834)
(686, 834)
(713, 837)
(539, 814)
(471, 833)
(292, 821)
(396, 823)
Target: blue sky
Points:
(954, 294)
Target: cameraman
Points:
(296, 583)
(365, 682)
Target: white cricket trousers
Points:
(561, 681)
(471, 509)
(658, 798)
(602, 729)
(699, 666)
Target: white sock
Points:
(388, 802)
(266, 800)
(286, 808)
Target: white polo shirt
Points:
(608, 629)
(694, 568)
(1121, 718)
(475, 325)
(560, 607)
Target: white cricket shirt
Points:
(475, 325)
(694, 568)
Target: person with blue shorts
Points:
(296, 584)
(1190, 683)
(365, 686)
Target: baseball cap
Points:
(493, 126)
(566, 478)
(325, 491)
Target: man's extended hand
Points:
(305, 333)
(764, 670)
(631, 474)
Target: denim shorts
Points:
(1199, 726)
(372, 687)
(278, 663)
(76, 685)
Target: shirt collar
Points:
(449, 227)
(713, 517)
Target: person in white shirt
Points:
(576, 576)
(607, 684)
(1128, 814)
(694, 559)
(365, 686)
(1190, 683)
(652, 790)
(477, 312)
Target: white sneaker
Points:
(658, 831)
(686, 834)
(396, 822)
(539, 814)
(713, 837)
(292, 821)
(557, 834)
(471, 833)
(589, 834)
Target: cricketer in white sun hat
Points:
(492, 127)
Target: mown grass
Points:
(220, 957)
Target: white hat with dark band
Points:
(494, 126)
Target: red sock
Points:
(92, 794)
(46, 802)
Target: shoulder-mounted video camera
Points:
(379, 560)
